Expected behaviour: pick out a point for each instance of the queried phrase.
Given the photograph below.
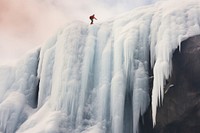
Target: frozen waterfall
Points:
(95, 78)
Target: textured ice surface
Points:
(94, 78)
(18, 92)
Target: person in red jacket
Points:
(92, 18)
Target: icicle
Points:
(175, 24)
(86, 72)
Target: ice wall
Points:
(94, 78)
(18, 92)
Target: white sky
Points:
(27, 24)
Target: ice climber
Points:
(92, 18)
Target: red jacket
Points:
(92, 17)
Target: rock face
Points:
(180, 112)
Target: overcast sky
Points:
(27, 24)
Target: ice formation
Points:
(94, 78)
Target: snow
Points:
(95, 78)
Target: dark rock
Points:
(180, 112)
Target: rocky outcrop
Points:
(180, 112)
